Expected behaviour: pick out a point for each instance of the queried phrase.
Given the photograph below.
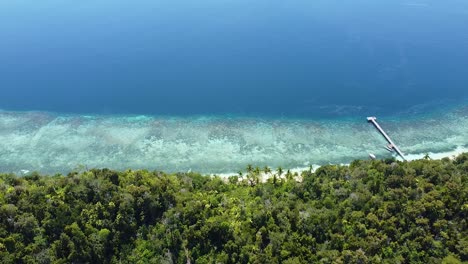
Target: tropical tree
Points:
(279, 170)
(289, 175)
(249, 168)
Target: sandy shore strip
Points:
(298, 171)
(438, 155)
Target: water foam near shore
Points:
(50, 143)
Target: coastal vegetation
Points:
(376, 211)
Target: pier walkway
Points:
(392, 144)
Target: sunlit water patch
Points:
(52, 143)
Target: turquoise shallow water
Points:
(53, 143)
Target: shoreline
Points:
(297, 171)
(439, 155)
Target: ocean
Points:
(212, 86)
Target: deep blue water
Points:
(263, 58)
(214, 85)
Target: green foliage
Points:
(368, 212)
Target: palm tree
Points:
(280, 171)
(257, 170)
(253, 178)
(289, 175)
(240, 175)
(249, 168)
(267, 170)
(426, 156)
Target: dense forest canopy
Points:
(368, 212)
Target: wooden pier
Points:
(390, 141)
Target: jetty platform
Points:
(393, 146)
